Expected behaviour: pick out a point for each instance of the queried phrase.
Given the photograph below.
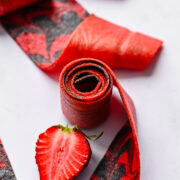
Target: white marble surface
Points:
(29, 98)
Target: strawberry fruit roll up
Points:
(54, 32)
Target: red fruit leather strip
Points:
(86, 88)
(116, 163)
(117, 46)
(43, 30)
(53, 33)
(6, 171)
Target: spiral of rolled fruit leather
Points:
(86, 88)
(55, 32)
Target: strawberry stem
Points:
(92, 137)
(76, 128)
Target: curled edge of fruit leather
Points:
(6, 171)
(81, 106)
(46, 33)
(117, 46)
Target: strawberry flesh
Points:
(61, 153)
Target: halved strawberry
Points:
(62, 153)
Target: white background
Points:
(30, 102)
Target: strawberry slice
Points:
(62, 153)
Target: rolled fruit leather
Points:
(85, 87)
(54, 32)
